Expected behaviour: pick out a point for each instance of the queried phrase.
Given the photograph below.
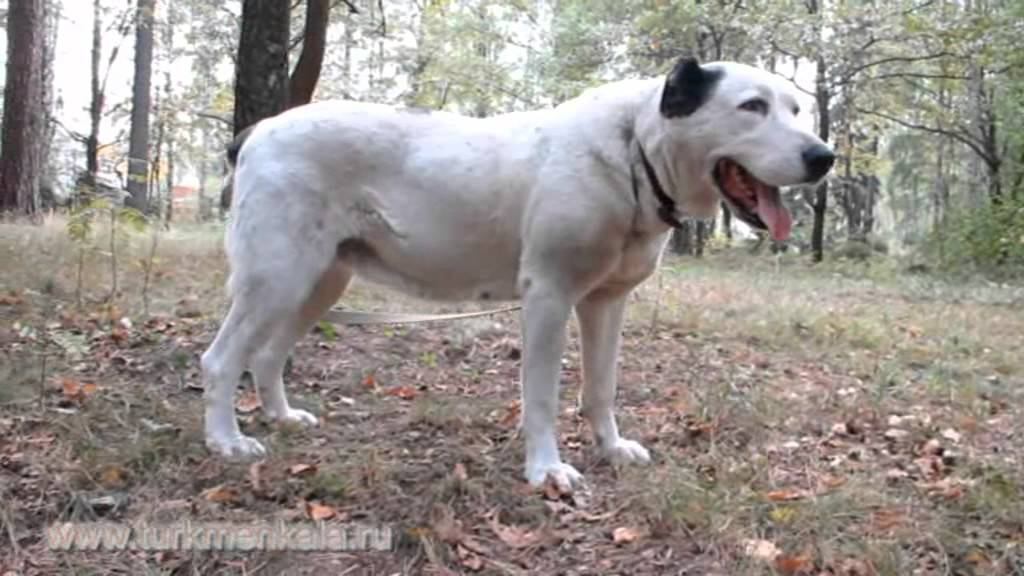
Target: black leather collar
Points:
(667, 208)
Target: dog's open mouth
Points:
(754, 202)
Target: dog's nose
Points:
(819, 160)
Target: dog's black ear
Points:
(687, 87)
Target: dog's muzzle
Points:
(756, 203)
(818, 160)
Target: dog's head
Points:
(735, 128)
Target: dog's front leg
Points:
(600, 316)
(545, 315)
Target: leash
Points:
(360, 318)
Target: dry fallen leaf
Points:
(256, 476)
(248, 402)
(551, 489)
(761, 550)
(931, 467)
(10, 299)
(887, 520)
(799, 564)
(782, 514)
(895, 474)
(460, 472)
(302, 469)
(932, 448)
(75, 390)
(978, 559)
(514, 536)
(951, 435)
(855, 567)
(511, 417)
(113, 476)
(470, 560)
(370, 382)
(317, 511)
(948, 488)
(625, 535)
(445, 525)
(403, 392)
(896, 434)
(221, 493)
(786, 495)
(829, 482)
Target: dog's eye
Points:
(756, 105)
(796, 110)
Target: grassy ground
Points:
(841, 420)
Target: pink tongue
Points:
(773, 213)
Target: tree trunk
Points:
(153, 184)
(820, 205)
(92, 143)
(170, 172)
(25, 114)
(682, 239)
(261, 67)
(346, 62)
(138, 146)
(872, 186)
(261, 70)
(205, 206)
(726, 221)
(702, 237)
(48, 177)
(422, 59)
(851, 195)
(169, 113)
(314, 42)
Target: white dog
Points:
(565, 209)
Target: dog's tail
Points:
(232, 156)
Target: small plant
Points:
(327, 330)
(80, 228)
(147, 267)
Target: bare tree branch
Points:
(913, 8)
(352, 8)
(76, 136)
(216, 117)
(848, 75)
(961, 136)
(119, 107)
(120, 140)
(791, 78)
(906, 75)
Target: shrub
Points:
(988, 239)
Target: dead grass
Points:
(842, 420)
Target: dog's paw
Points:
(236, 446)
(624, 451)
(296, 416)
(565, 477)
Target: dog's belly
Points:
(439, 270)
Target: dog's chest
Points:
(640, 258)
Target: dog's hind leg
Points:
(275, 281)
(222, 365)
(600, 316)
(267, 365)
